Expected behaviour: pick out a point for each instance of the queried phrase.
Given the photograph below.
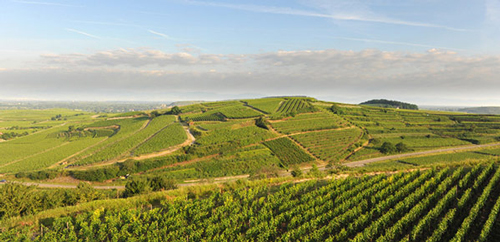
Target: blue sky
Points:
(424, 51)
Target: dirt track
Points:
(427, 152)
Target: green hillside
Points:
(262, 150)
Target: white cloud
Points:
(83, 33)
(349, 74)
(137, 58)
(159, 34)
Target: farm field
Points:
(309, 122)
(77, 140)
(433, 205)
(268, 158)
(446, 159)
(266, 105)
(332, 145)
(288, 152)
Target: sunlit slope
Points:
(234, 137)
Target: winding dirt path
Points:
(427, 152)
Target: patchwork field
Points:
(439, 181)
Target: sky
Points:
(428, 52)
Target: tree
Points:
(336, 109)
(261, 122)
(315, 172)
(86, 192)
(137, 186)
(154, 114)
(401, 147)
(176, 110)
(296, 171)
(127, 167)
(388, 148)
(159, 183)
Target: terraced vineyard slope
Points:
(433, 205)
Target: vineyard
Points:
(433, 205)
(262, 150)
(213, 115)
(293, 105)
(232, 162)
(266, 105)
(309, 122)
(124, 146)
(288, 152)
(239, 112)
(330, 146)
(170, 135)
(440, 159)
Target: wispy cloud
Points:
(46, 3)
(83, 33)
(105, 23)
(345, 17)
(153, 13)
(493, 10)
(159, 34)
(398, 43)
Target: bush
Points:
(159, 183)
(315, 172)
(401, 147)
(141, 185)
(265, 172)
(296, 172)
(137, 186)
(388, 148)
(261, 123)
(39, 175)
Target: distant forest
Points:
(390, 104)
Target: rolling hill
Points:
(414, 164)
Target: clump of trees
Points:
(336, 109)
(175, 110)
(141, 185)
(39, 175)
(11, 135)
(390, 148)
(390, 104)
